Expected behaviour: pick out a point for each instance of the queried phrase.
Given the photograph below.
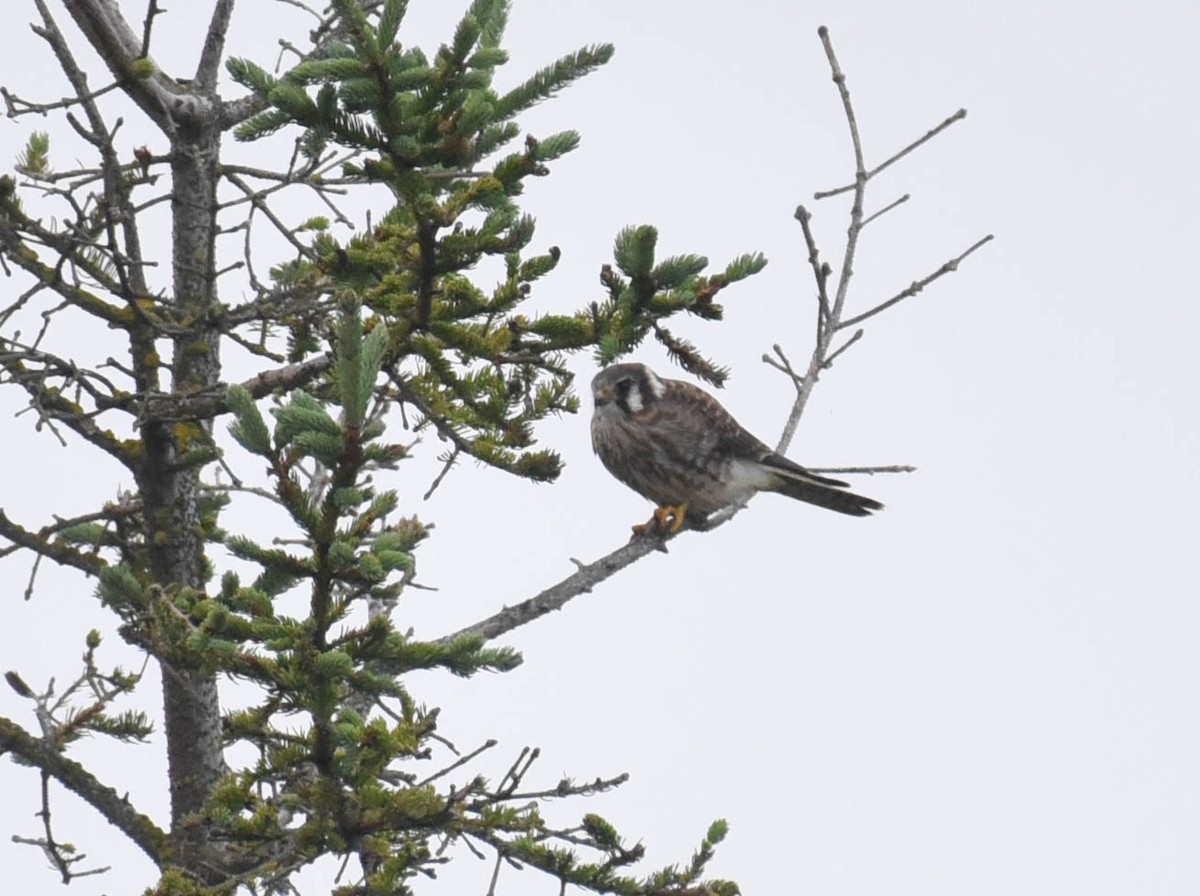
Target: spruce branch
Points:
(582, 581)
(114, 808)
(45, 546)
(211, 403)
(64, 718)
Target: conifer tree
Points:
(349, 334)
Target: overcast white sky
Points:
(989, 688)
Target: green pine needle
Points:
(744, 266)
(675, 271)
(389, 21)
(249, 428)
(553, 78)
(250, 75)
(35, 157)
(634, 250)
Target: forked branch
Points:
(832, 313)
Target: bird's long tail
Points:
(796, 482)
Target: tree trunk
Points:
(170, 491)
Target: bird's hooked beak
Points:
(602, 396)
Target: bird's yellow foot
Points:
(666, 519)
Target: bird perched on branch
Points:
(675, 444)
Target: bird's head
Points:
(629, 388)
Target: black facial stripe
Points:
(622, 389)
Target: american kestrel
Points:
(673, 443)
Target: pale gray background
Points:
(991, 687)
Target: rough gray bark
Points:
(190, 703)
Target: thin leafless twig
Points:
(858, 334)
(17, 106)
(783, 365)
(451, 459)
(821, 270)
(929, 135)
(866, 471)
(459, 763)
(887, 208)
(915, 287)
(491, 891)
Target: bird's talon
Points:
(666, 520)
(671, 518)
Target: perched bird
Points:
(673, 443)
